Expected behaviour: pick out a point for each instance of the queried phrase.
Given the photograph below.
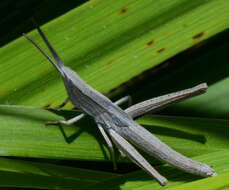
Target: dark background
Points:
(15, 15)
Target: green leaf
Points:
(141, 180)
(107, 47)
(107, 43)
(205, 63)
(218, 182)
(40, 175)
(190, 135)
(23, 133)
(212, 104)
(27, 174)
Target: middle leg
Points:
(79, 117)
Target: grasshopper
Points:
(118, 127)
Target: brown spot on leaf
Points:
(150, 43)
(160, 50)
(109, 63)
(123, 10)
(197, 36)
(47, 106)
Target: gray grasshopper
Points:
(118, 127)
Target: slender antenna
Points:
(55, 55)
(43, 52)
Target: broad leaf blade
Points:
(112, 45)
(23, 133)
(107, 43)
(191, 136)
(206, 63)
(212, 104)
(27, 174)
(218, 182)
(140, 180)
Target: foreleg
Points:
(61, 105)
